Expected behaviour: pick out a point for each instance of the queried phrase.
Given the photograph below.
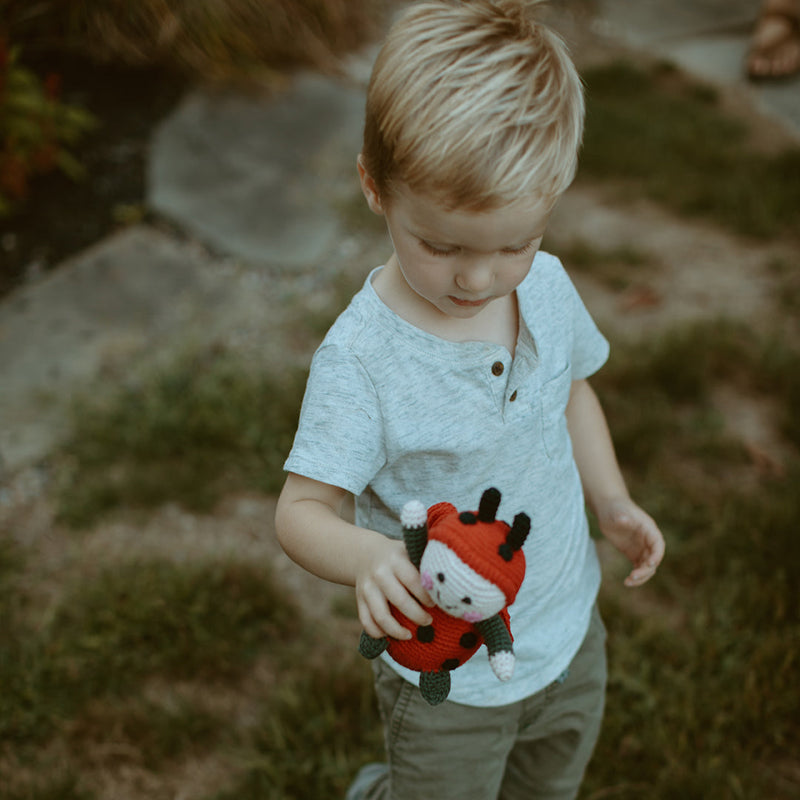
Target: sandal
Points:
(775, 51)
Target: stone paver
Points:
(649, 23)
(107, 305)
(259, 178)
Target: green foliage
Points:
(188, 433)
(669, 139)
(205, 38)
(164, 735)
(37, 131)
(780, 366)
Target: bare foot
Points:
(775, 49)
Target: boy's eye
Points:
(437, 251)
(518, 251)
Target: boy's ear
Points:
(369, 187)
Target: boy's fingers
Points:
(659, 548)
(381, 624)
(408, 605)
(638, 576)
(411, 580)
(368, 624)
(378, 604)
(421, 595)
(407, 593)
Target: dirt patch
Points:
(698, 271)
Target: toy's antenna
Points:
(520, 529)
(490, 501)
(515, 537)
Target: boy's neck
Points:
(497, 323)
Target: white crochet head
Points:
(457, 588)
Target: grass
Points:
(136, 621)
(73, 682)
(322, 725)
(787, 294)
(703, 693)
(49, 788)
(156, 734)
(667, 138)
(681, 366)
(157, 618)
(616, 268)
(706, 707)
(207, 425)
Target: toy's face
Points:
(455, 587)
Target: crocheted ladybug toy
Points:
(472, 565)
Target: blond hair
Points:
(474, 102)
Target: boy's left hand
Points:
(635, 534)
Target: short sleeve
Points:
(339, 439)
(590, 348)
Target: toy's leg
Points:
(498, 643)
(435, 686)
(370, 647)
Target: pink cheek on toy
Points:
(472, 616)
(427, 581)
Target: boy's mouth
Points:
(469, 303)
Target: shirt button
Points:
(497, 368)
(513, 396)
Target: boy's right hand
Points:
(385, 575)
(310, 529)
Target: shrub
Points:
(210, 38)
(37, 131)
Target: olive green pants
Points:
(535, 749)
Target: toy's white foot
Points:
(502, 664)
(413, 515)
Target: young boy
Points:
(462, 364)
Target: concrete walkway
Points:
(260, 195)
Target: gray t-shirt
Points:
(392, 413)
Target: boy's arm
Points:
(623, 522)
(313, 535)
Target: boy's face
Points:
(457, 261)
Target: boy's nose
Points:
(474, 278)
